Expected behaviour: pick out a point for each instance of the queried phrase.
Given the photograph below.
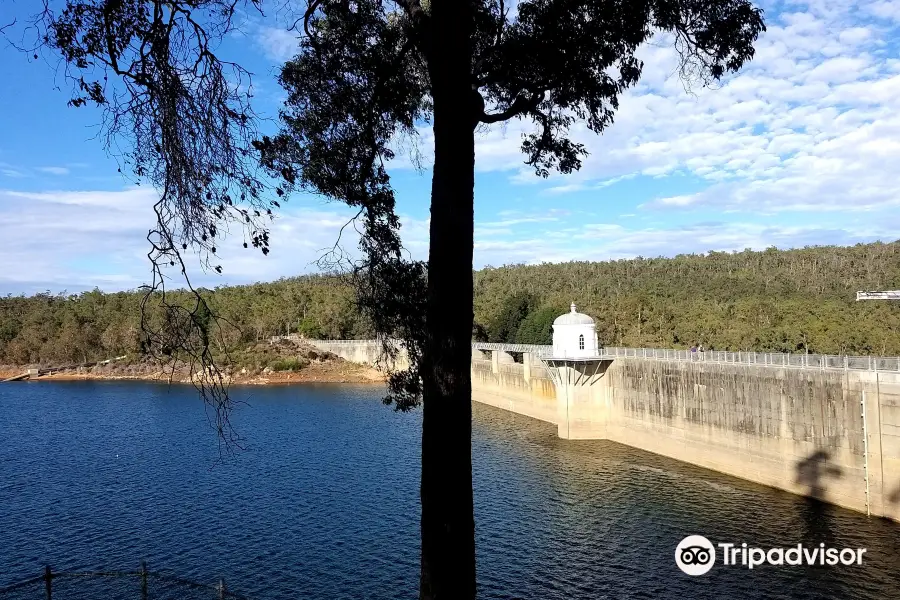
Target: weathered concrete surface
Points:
(799, 430)
(796, 429)
(507, 388)
(359, 351)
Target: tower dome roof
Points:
(573, 318)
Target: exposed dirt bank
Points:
(258, 364)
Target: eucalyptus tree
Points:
(366, 73)
(369, 72)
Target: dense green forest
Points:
(784, 301)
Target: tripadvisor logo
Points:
(696, 555)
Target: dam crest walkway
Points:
(771, 359)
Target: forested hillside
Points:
(93, 325)
(765, 301)
(772, 300)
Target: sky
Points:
(801, 148)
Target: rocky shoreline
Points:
(366, 376)
(260, 364)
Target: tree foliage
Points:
(177, 116)
(537, 326)
(365, 75)
(770, 301)
(68, 328)
(366, 72)
(513, 310)
(775, 301)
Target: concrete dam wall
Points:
(796, 429)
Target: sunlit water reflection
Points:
(323, 503)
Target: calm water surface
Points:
(323, 503)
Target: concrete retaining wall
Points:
(506, 387)
(796, 429)
(366, 352)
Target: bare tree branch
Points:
(177, 116)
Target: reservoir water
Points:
(323, 502)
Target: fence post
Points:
(221, 589)
(48, 578)
(143, 580)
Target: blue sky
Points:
(801, 148)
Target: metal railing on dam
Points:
(773, 359)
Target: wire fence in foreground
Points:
(142, 584)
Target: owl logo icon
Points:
(695, 555)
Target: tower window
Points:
(581, 342)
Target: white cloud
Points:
(677, 201)
(569, 187)
(54, 170)
(11, 171)
(810, 124)
(610, 241)
(885, 9)
(518, 221)
(278, 44)
(78, 240)
(801, 127)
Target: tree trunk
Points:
(448, 524)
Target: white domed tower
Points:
(575, 336)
